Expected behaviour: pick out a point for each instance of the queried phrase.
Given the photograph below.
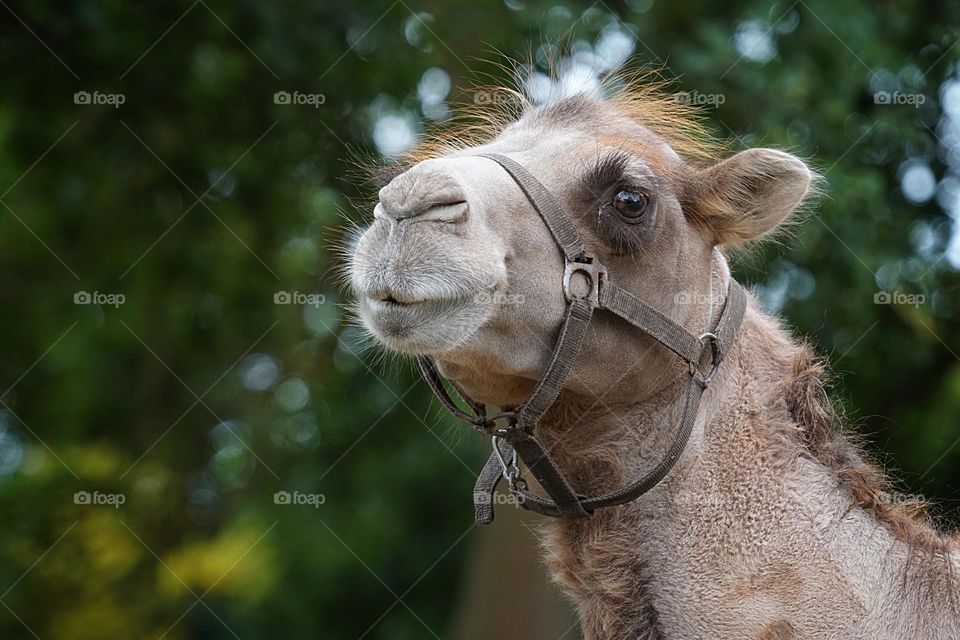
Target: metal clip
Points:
(594, 272)
(511, 472)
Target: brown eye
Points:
(631, 205)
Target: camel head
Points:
(458, 265)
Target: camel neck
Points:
(747, 518)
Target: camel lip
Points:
(394, 302)
(424, 327)
(389, 298)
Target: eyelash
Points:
(609, 176)
(609, 172)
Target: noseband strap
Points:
(517, 438)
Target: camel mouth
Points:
(393, 303)
(421, 325)
(389, 298)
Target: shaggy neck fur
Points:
(759, 532)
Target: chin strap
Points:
(517, 439)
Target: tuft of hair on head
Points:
(647, 97)
(640, 93)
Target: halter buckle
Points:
(594, 272)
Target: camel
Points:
(773, 524)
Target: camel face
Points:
(457, 264)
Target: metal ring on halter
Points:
(715, 354)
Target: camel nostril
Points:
(426, 192)
(449, 212)
(454, 212)
(434, 206)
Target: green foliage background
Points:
(199, 198)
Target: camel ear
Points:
(748, 195)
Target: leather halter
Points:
(517, 438)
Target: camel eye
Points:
(631, 205)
